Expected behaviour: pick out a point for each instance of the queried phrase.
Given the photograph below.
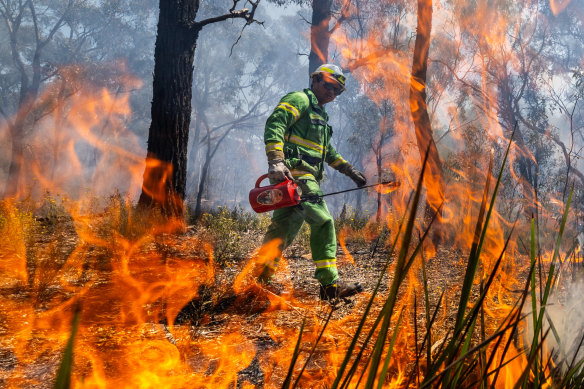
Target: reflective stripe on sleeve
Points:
(337, 162)
(290, 108)
(274, 146)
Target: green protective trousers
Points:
(285, 224)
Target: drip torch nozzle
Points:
(316, 198)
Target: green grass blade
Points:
(418, 249)
(288, 379)
(390, 350)
(576, 351)
(63, 380)
(428, 381)
(464, 351)
(549, 283)
(483, 352)
(355, 364)
(533, 296)
(513, 317)
(508, 344)
(562, 226)
(522, 381)
(427, 337)
(364, 370)
(396, 282)
(451, 350)
(313, 348)
(416, 370)
(474, 256)
(427, 311)
(353, 343)
(571, 373)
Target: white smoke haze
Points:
(272, 60)
(563, 321)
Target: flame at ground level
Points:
(135, 331)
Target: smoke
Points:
(564, 323)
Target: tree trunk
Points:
(203, 180)
(18, 130)
(15, 167)
(523, 163)
(319, 34)
(166, 161)
(205, 172)
(379, 162)
(433, 180)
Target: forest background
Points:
(521, 70)
(495, 89)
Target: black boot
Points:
(340, 290)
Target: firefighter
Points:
(297, 138)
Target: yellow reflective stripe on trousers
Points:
(290, 108)
(324, 263)
(305, 142)
(337, 162)
(275, 146)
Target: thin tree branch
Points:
(250, 20)
(244, 13)
(57, 25)
(556, 140)
(344, 16)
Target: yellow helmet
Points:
(331, 72)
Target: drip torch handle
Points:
(263, 177)
(259, 181)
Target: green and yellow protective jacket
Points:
(297, 132)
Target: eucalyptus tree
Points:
(164, 181)
(235, 87)
(41, 40)
(31, 28)
(521, 48)
(418, 104)
(327, 16)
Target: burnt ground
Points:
(253, 328)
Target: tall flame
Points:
(140, 286)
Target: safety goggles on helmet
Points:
(332, 73)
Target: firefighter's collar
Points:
(314, 101)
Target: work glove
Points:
(278, 171)
(355, 175)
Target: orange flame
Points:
(558, 6)
(134, 278)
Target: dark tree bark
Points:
(321, 31)
(165, 174)
(433, 180)
(319, 34)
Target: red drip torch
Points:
(267, 198)
(288, 193)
